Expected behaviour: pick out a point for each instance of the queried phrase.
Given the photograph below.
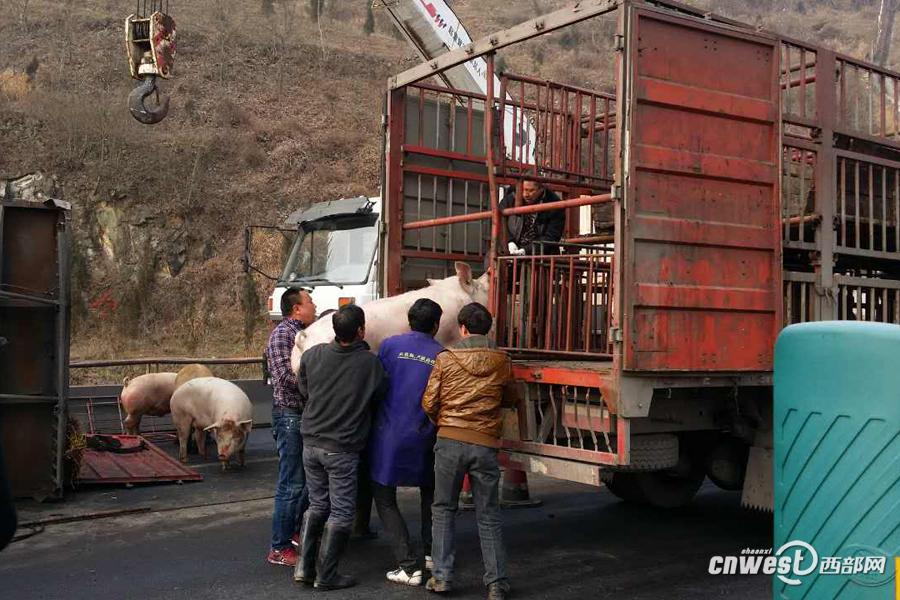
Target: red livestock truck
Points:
(736, 181)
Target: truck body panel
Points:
(700, 253)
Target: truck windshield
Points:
(336, 250)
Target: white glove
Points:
(515, 250)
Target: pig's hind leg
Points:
(132, 424)
(183, 429)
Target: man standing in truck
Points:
(464, 396)
(526, 232)
(299, 311)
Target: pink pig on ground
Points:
(387, 317)
(212, 404)
(146, 395)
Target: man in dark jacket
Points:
(339, 381)
(402, 440)
(464, 397)
(526, 232)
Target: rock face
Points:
(34, 187)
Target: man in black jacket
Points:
(340, 382)
(527, 231)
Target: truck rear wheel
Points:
(668, 488)
(661, 489)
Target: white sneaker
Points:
(400, 576)
(429, 563)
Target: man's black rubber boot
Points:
(334, 542)
(497, 591)
(310, 534)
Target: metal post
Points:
(826, 307)
(492, 186)
(393, 193)
(63, 253)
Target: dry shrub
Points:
(251, 306)
(135, 309)
(251, 155)
(231, 114)
(290, 156)
(15, 85)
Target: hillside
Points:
(272, 109)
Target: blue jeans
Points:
(332, 478)
(291, 496)
(452, 460)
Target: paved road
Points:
(582, 543)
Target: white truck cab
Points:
(334, 254)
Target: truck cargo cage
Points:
(555, 304)
(707, 207)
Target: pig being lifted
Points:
(387, 316)
(212, 404)
(146, 395)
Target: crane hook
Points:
(138, 95)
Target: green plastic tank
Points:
(837, 459)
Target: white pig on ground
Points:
(146, 395)
(212, 404)
(387, 317)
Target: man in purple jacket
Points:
(402, 440)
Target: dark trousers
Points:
(363, 496)
(331, 480)
(290, 492)
(7, 508)
(389, 513)
(452, 460)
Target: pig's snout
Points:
(225, 452)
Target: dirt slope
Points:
(271, 109)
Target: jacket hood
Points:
(478, 355)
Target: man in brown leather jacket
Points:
(463, 398)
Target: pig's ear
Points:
(211, 427)
(245, 425)
(432, 281)
(464, 272)
(484, 280)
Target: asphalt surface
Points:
(209, 540)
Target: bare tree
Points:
(369, 25)
(23, 13)
(320, 5)
(881, 47)
(281, 46)
(221, 18)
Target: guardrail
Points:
(123, 362)
(96, 406)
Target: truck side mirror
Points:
(247, 261)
